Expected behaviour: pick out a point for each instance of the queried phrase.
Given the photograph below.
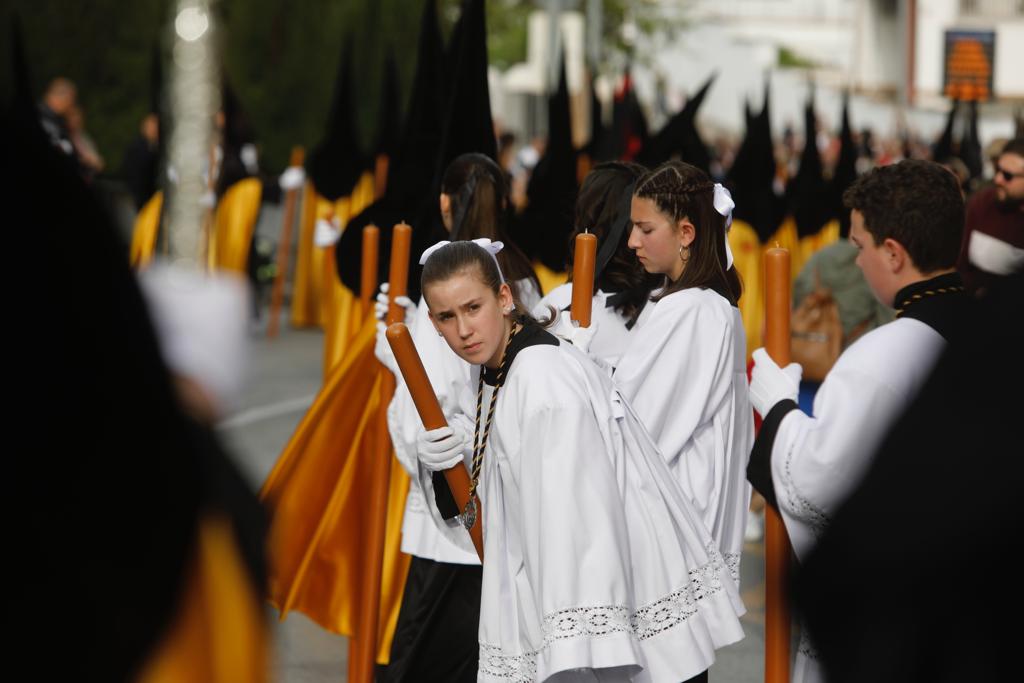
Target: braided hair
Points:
(681, 191)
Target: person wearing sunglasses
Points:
(993, 245)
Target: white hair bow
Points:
(724, 205)
(490, 247)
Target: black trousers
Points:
(436, 638)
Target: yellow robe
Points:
(219, 634)
(340, 310)
(549, 279)
(233, 226)
(748, 254)
(147, 226)
(318, 494)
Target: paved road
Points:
(285, 375)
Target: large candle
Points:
(776, 542)
(583, 278)
(398, 275)
(425, 399)
(368, 272)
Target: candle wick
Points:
(776, 244)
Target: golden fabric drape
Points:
(341, 313)
(549, 279)
(828, 234)
(219, 634)
(308, 262)
(147, 225)
(746, 253)
(233, 226)
(317, 495)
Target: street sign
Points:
(969, 64)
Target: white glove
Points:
(382, 349)
(380, 308)
(770, 384)
(326, 232)
(580, 337)
(208, 199)
(292, 178)
(440, 449)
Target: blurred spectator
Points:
(58, 100)
(89, 158)
(140, 168)
(993, 245)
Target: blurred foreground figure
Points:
(135, 553)
(893, 592)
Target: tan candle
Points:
(583, 278)
(776, 541)
(368, 269)
(398, 275)
(425, 399)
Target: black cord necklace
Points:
(469, 514)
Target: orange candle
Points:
(583, 278)
(423, 396)
(398, 275)
(368, 272)
(776, 542)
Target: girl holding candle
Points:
(684, 370)
(621, 290)
(435, 637)
(597, 567)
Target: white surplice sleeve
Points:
(575, 541)
(816, 461)
(448, 375)
(677, 369)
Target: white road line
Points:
(247, 417)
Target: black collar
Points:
(531, 334)
(940, 302)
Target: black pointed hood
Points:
(752, 176)
(807, 193)
(337, 162)
(542, 230)
(970, 145)
(943, 147)
(410, 196)
(845, 171)
(629, 125)
(468, 123)
(596, 147)
(389, 115)
(680, 136)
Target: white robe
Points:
(610, 335)
(816, 461)
(685, 375)
(593, 558)
(449, 376)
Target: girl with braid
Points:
(684, 371)
(441, 599)
(596, 567)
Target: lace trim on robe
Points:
(802, 508)
(593, 621)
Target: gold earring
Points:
(684, 256)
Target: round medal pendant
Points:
(469, 514)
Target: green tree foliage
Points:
(106, 48)
(280, 57)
